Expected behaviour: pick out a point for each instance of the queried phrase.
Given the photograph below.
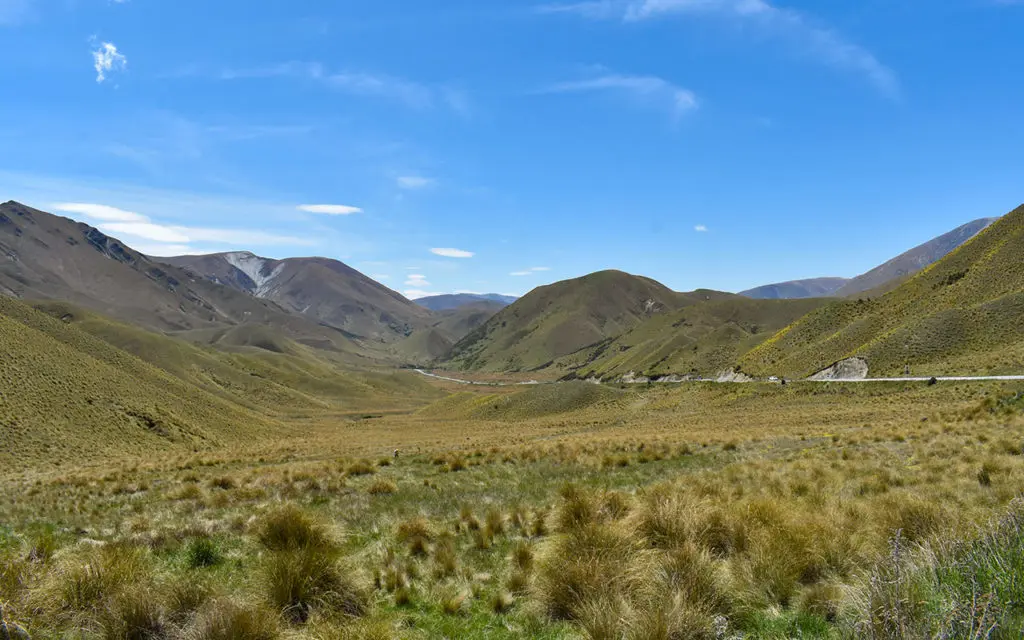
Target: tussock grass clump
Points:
(84, 584)
(382, 487)
(230, 620)
(593, 563)
(288, 528)
(134, 614)
(417, 534)
(202, 553)
(958, 589)
(523, 556)
(455, 603)
(577, 509)
(187, 595)
(311, 578)
(446, 557)
(361, 468)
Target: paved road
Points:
(480, 384)
(939, 379)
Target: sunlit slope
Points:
(68, 396)
(559, 319)
(527, 403)
(963, 314)
(701, 339)
(255, 367)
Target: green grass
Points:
(958, 316)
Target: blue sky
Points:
(484, 145)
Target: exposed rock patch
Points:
(849, 369)
(733, 376)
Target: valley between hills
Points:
(228, 446)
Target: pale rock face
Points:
(849, 369)
(254, 267)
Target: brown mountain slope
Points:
(961, 315)
(325, 290)
(796, 289)
(447, 328)
(43, 256)
(914, 260)
(562, 318)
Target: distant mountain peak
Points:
(796, 289)
(259, 270)
(445, 302)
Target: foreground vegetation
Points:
(883, 511)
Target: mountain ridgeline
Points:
(878, 280)
(560, 319)
(326, 291)
(951, 305)
(455, 300)
(960, 315)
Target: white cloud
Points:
(452, 253)
(135, 225)
(365, 84)
(595, 9)
(820, 43)
(100, 212)
(700, 228)
(412, 294)
(330, 209)
(373, 85)
(380, 276)
(145, 230)
(107, 59)
(416, 280)
(163, 250)
(240, 237)
(647, 88)
(529, 272)
(414, 182)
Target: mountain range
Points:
(888, 273)
(456, 300)
(242, 327)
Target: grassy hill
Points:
(446, 328)
(76, 385)
(60, 385)
(959, 315)
(912, 261)
(701, 339)
(559, 319)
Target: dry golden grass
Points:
(515, 526)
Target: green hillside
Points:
(961, 315)
(700, 339)
(77, 386)
(253, 366)
(560, 319)
(530, 402)
(60, 385)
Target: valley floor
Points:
(881, 510)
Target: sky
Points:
(495, 146)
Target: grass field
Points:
(694, 511)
